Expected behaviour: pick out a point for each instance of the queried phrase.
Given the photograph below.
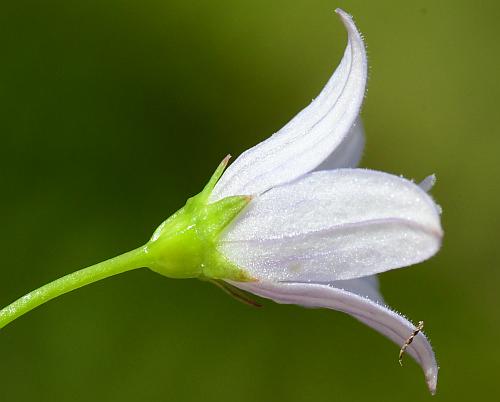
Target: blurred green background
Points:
(113, 112)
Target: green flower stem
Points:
(126, 262)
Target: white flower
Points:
(317, 230)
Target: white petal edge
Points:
(312, 135)
(350, 151)
(377, 316)
(334, 225)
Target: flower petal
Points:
(334, 225)
(428, 183)
(349, 152)
(307, 140)
(367, 286)
(389, 323)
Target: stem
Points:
(125, 262)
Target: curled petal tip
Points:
(346, 18)
(428, 183)
(431, 376)
(342, 13)
(432, 382)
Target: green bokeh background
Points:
(113, 112)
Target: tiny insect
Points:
(418, 328)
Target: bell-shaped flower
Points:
(292, 220)
(316, 230)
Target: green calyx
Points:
(185, 245)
